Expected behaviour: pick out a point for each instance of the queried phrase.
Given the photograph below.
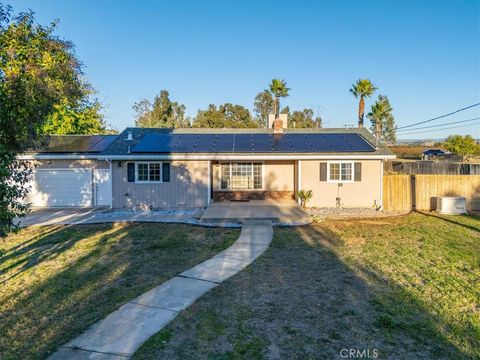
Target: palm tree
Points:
(383, 122)
(361, 89)
(279, 89)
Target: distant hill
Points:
(422, 142)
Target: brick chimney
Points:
(278, 124)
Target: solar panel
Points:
(103, 143)
(321, 143)
(246, 143)
(224, 143)
(281, 143)
(357, 142)
(243, 143)
(186, 142)
(154, 143)
(339, 144)
(262, 142)
(205, 143)
(300, 143)
(77, 143)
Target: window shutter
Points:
(166, 172)
(131, 172)
(323, 171)
(358, 171)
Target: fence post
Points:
(413, 191)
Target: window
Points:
(340, 172)
(149, 172)
(241, 176)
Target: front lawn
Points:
(405, 288)
(55, 281)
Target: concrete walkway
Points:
(122, 332)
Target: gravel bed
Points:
(182, 216)
(122, 213)
(359, 212)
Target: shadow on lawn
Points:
(450, 220)
(48, 314)
(114, 264)
(42, 247)
(300, 300)
(404, 322)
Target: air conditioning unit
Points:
(451, 205)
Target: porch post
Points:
(209, 183)
(111, 182)
(381, 184)
(299, 178)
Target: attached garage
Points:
(68, 174)
(61, 188)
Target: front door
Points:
(103, 187)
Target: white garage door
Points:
(61, 187)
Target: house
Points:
(143, 168)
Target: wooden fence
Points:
(407, 192)
(431, 167)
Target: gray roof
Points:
(76, 144)
(142, 137)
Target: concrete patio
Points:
(283, 212)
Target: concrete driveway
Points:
(52, 216)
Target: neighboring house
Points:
(145, 168)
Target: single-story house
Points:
(145, 168)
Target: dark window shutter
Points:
(131, 172)
(323, 171)
(166, 172)
(358, 171)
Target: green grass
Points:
(425, 274)
(407, 286)
(55, 281)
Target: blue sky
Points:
(424, 55)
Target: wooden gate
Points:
(397, 192)
(405, 192)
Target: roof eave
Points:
(188, 156)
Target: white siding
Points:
(362, 193)
(188, 187)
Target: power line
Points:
(439, 117)
(434, 126)
(447, 128)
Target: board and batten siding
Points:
(188, 187)
(278, 175)
(364, 193)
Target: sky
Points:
(424, 55)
